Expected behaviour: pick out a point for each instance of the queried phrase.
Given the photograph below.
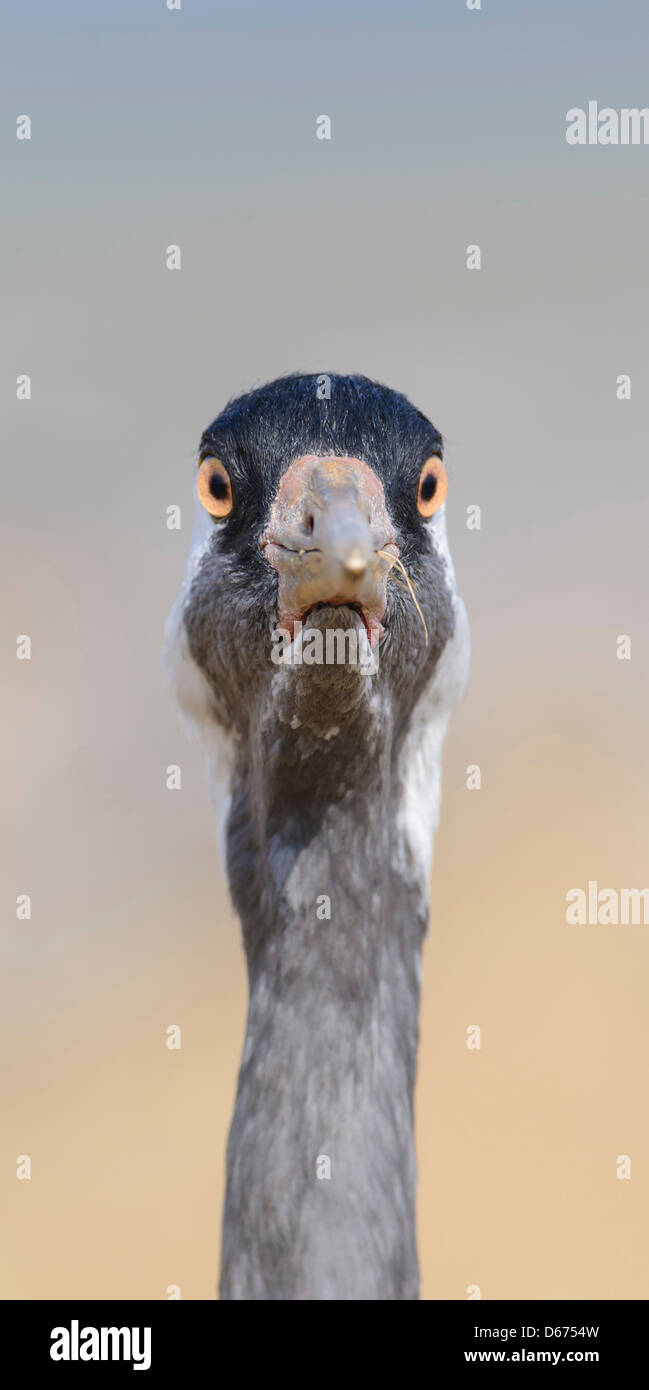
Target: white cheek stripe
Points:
(190, 687)
(420, 764)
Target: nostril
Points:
(309, 525)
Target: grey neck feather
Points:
(321, 1167)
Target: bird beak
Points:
(327, 525)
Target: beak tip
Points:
(355, 565)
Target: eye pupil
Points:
(428, 487)
(218, 487)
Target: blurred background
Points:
(197, 128)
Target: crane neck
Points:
(321, 1166)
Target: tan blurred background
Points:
(198, 128)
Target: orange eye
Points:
(432, 487)
(214, 487)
